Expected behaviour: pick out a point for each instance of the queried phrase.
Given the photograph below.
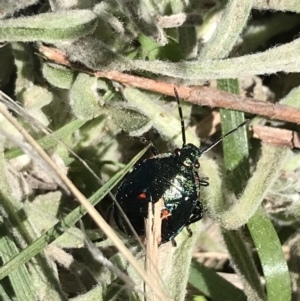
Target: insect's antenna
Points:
(181, 117)
(221, 138)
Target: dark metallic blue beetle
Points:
(172, 177)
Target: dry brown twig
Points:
(200, 95)
(275, 136)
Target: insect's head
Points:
(188, 155)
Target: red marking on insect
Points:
(142, 196)
(165, 213)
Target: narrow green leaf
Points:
(50, 140)
(212, 285)
(54, 232)
(20, 278)
(243, 263)
(265, 174)
(261, 229)
(236, 154)
(3, 293)
(235, 146)
(271, 256)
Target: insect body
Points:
(170, 176)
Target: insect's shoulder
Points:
(158, 160)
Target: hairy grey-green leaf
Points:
(174, 263)
(58, 76)
(267, 171)
(96, 55)
(34, 99)
(30, 95)
(142, 14)
(281, 58)
(84, 99)
(282, 5)
(228, 30)
(49, 27)
(130, 121)
(24, 61)
(68, 5)
(104, 11)
(10, 7)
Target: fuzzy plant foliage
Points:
(78, 80)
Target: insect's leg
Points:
(190, 232)
(153, 149)
(204, 182)
(196, 215)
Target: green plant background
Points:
(250, 229)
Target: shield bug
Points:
(170, 176)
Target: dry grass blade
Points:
(153, 238)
